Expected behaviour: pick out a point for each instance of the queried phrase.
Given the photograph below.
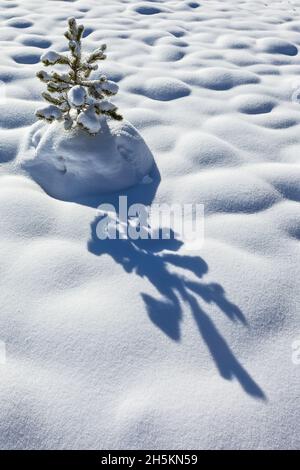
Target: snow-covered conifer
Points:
(75, 98)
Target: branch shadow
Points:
(152, 259)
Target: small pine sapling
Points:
(74, 98)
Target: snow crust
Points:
(128, 345)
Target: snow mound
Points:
(199, 149)
(73, 164)
(277, 46)
(168, 53)
(147, 10)
(160, 88)
(217, 78)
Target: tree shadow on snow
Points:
(152, 259)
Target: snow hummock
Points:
(73, 164)
(77, 96)
(106, 105)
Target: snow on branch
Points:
(73, 97)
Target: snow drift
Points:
(73, 164)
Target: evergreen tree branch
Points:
(74, 98)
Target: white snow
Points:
(117, 345)
(73, 164)
(50, 112)
(110, 86)
(50, 57)
(89, 121)
(106, 105)
(77, 96)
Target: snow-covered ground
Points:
(112, 346)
